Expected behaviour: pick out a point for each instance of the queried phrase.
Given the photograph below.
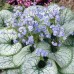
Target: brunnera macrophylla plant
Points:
(37, 40)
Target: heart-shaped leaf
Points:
(70, 68)
(68, 27)
(6, 62)
(25, 52)
(31, 66)
(22, 54)
(66, 16)
(7, 46)
(63, 57)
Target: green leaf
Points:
(4, 16)
(66, 16)
(70, 68)
(25, 53)
(2, 2)
(7, 34)
(67, 21)
(19, 58)
(8, 7)
(63, 57)
(6, 49)
(30, 67)
(69, 41)
(6, 46)
(6, 62)
(43, 45)
(69, 27)
(11, 71)
(52, 21)
(37, 19)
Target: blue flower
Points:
(57, 30)
(30, 28)
(41, 52)
(29, 21)
(35, 24)
(41, 35)
(27, 25)
(40, 16)
(22, 30)
(61, 32)
(19, 24)
(50, 16)
(30, 40)
(57, 17)
(20, 35)
(43, 28)
(55, 12)
(15, 40)
(37, 30)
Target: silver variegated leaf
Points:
(30, 67)
(43, 45)
(69, 41)
(70, 68)
(11, 71)
(68, 27)
(24, 54)
(6, 62)
(66, 16)
(63, 56)
(67, 20)
(4, 16)
(6, 39)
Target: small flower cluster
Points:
(41, 52)
(36, 25)
(57, 30)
